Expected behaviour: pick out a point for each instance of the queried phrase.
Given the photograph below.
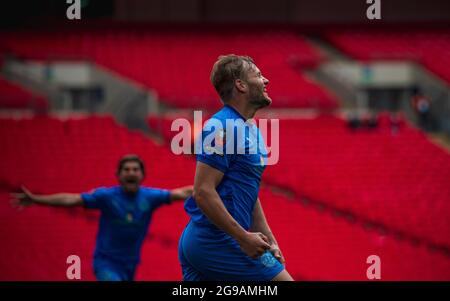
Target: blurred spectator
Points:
(367, 121)
(371, 121)
(353, 121)
(421, 105)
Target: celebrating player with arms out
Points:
(126, 212)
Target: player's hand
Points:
(276, 252)
(22, 199)
(254, 244)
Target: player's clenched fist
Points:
(254, 244)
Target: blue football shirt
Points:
(237, 149)
(124, 220)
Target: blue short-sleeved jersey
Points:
(124, 220)
(206, 252)
(237, 149)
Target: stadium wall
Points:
(280, 11)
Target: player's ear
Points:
(241, 86)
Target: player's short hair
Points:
(130, 158)
(226, 70)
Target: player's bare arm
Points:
(26, 198)
(259, 224)
(208, 200)
(181, 193)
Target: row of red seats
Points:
(319, 246)
(397, 180)
(428, 47)
(177, 63)
(38, 241)
(316, 245)
(13, 96)
(43, 151)
(52, 155)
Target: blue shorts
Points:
(207, 253)
(109, 270)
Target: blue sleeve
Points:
(212, 148)
(95, 199)
(158, 197)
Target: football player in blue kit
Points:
(126, 212)
(228, 237)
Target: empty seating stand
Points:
(398, 181)
(320, 246)
(49, 155)
(430, 47)
(176, 63)
(75, 155)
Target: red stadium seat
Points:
(13, 96)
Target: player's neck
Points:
(246, 111)
(130, 192)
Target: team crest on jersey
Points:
(219, 139)
(268, 260)
(219, 142)
(143, 205)
(214, 150)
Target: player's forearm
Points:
(259, 223)
(58, 199)
(263, 227)
(186, 192)
(181, 193)
(212, 206)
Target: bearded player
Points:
(227, 237)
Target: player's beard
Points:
(258, 99)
